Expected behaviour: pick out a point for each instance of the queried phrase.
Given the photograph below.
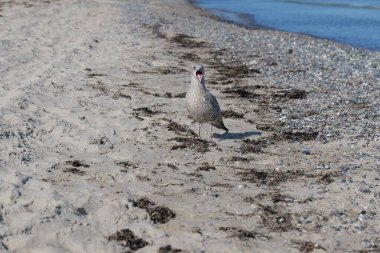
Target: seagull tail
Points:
(221, 125)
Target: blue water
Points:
(353, 22)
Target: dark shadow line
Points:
(229, 136)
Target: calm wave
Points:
(352, 22)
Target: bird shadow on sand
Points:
(228, 136)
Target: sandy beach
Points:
(98, 153)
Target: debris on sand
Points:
(199, 145)
(127, 238)
(243, 234)
(187, 41)
(158, 214)
(179, 128)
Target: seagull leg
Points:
(210, 132)
(199, 130)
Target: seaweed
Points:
(127, 238)
(158, 214)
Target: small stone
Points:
(26, 158)
(306, 151)
(346, 181)
(365, 190)
(215, 194)
(323, 166)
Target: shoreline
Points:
(252, 24)
(98, 152)
(222, 19)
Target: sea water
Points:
(353, 22)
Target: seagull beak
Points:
(199, 75)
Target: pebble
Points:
(215, 194)
(306, 151)
(323, 166)
(346, 168)
(26, 158)
(365, 190)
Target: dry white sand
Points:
(90, 101)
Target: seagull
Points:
(201, 104)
